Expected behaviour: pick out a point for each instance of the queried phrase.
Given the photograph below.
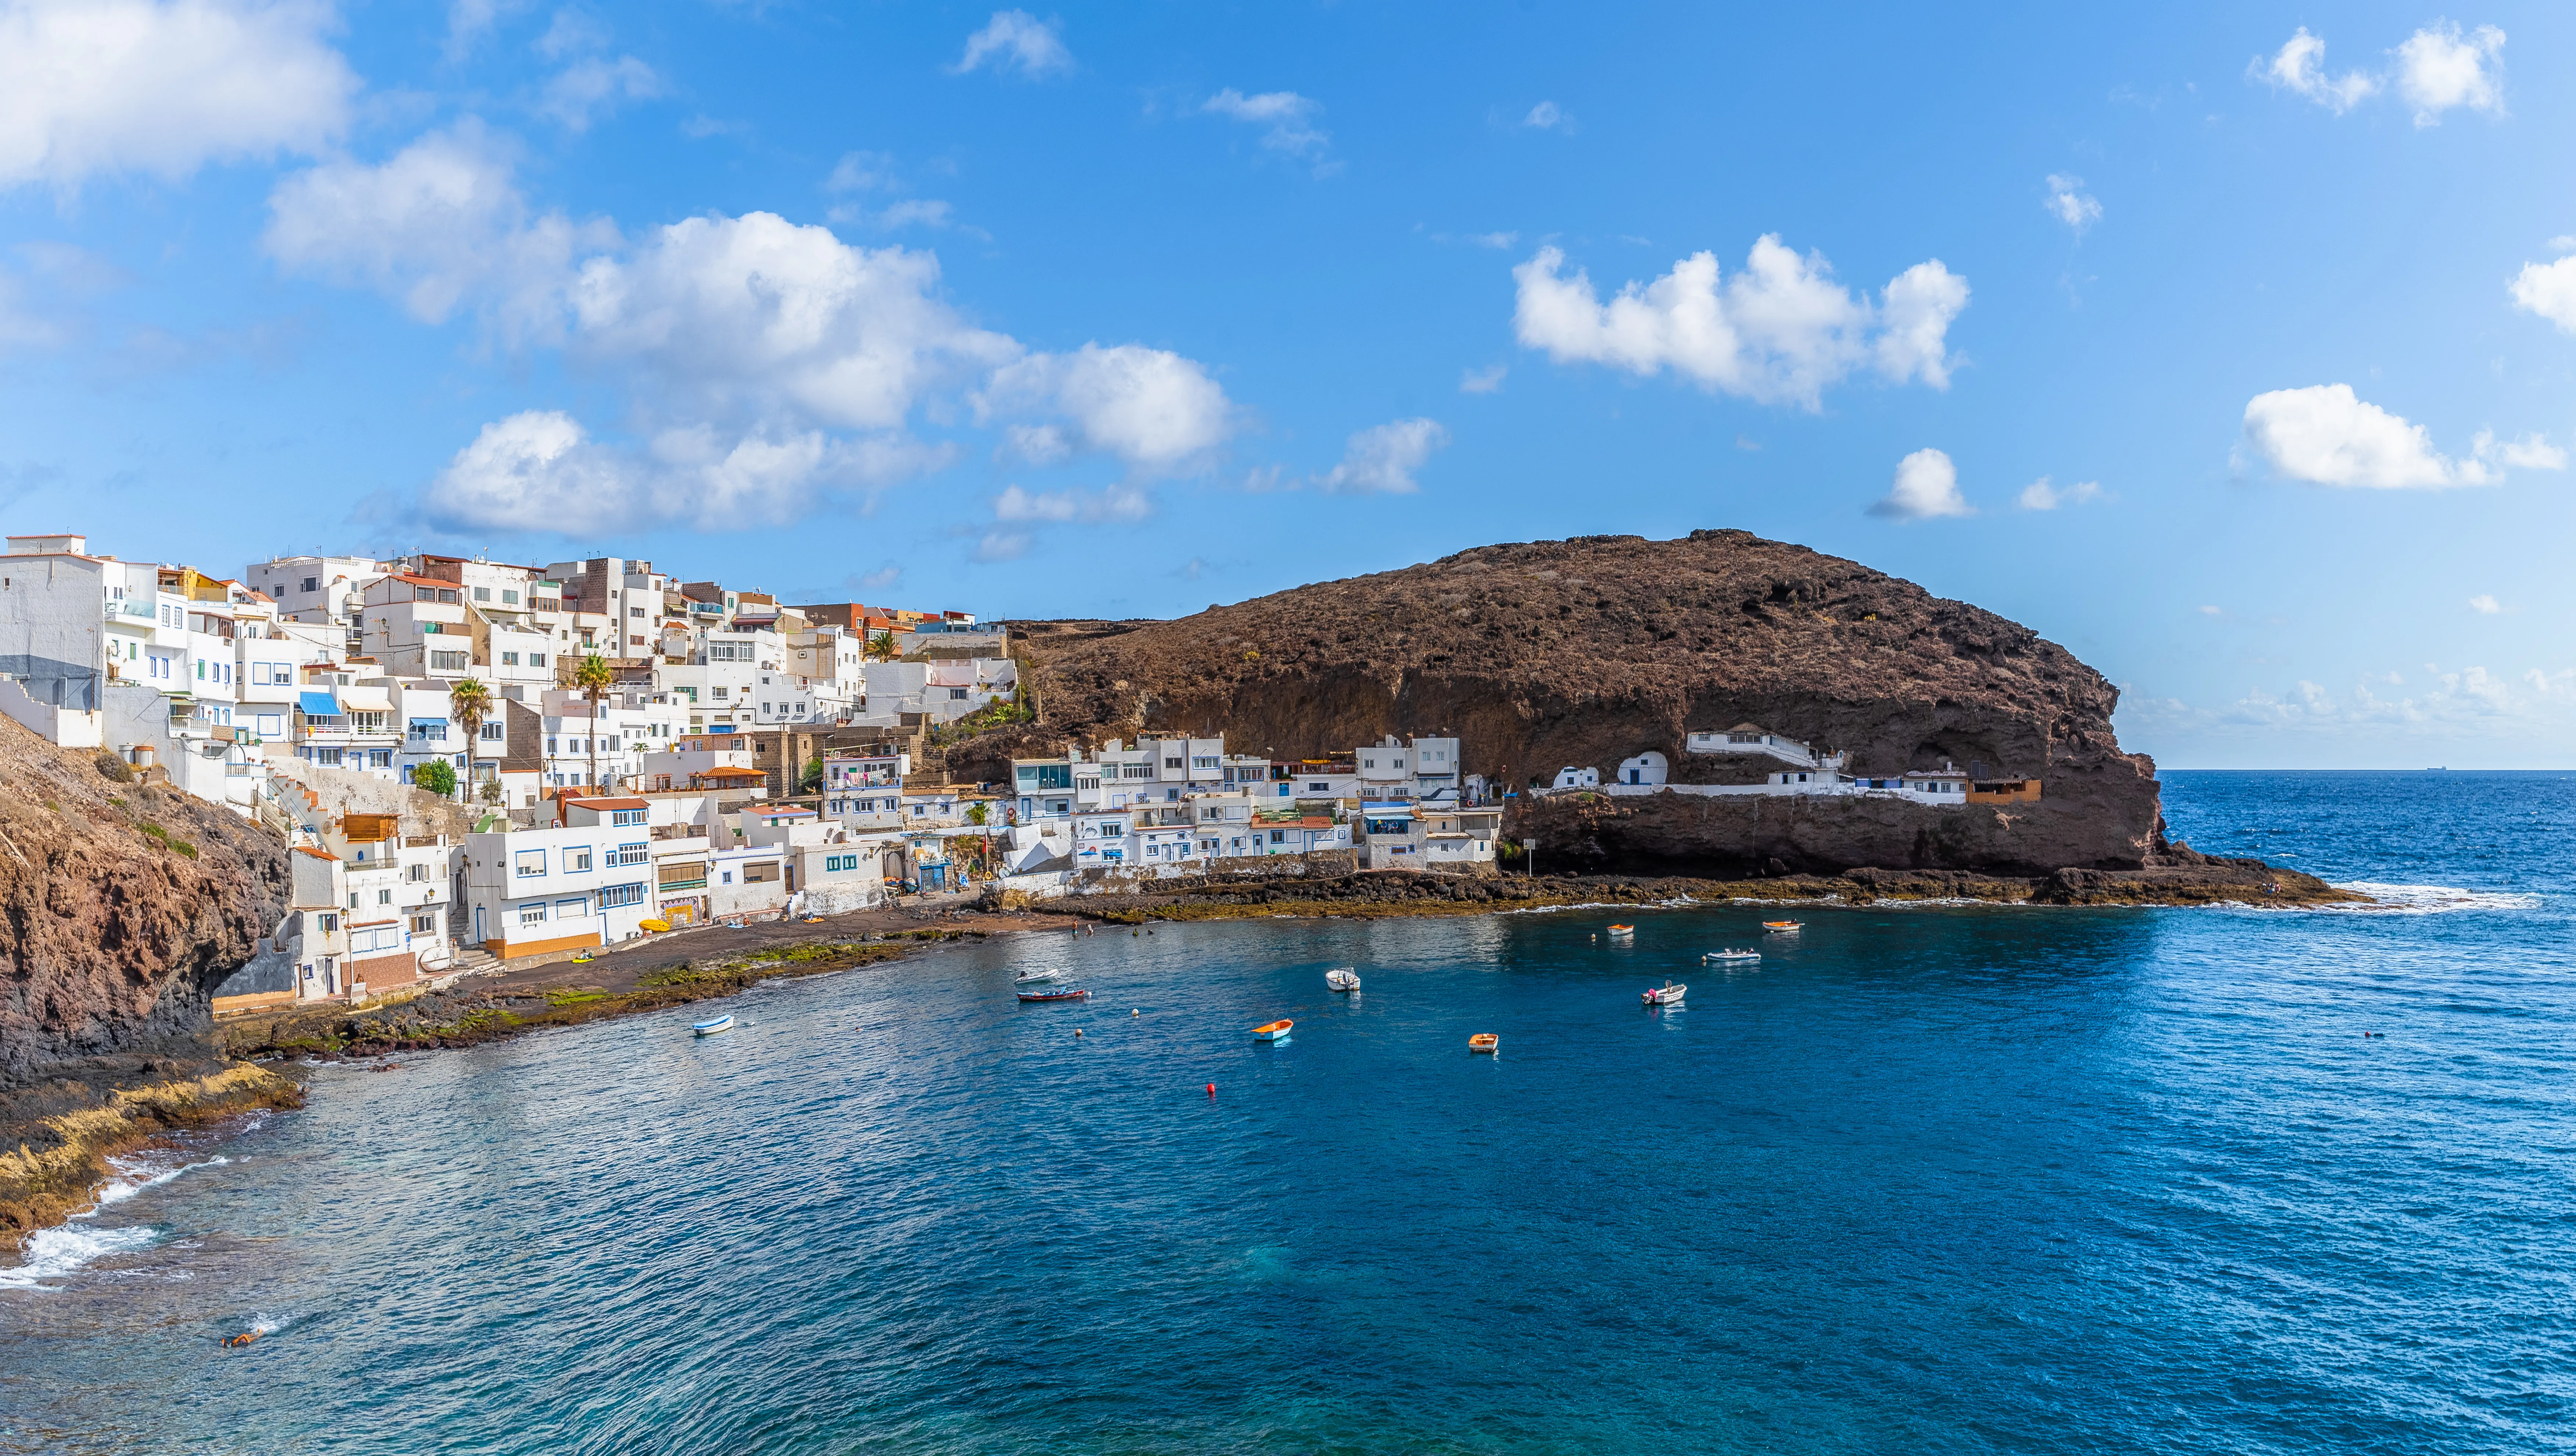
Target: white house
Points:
(533, 891)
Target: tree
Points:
(469, 703)
(593, 675)
(813, 775)
(437, 776)
(881, 647)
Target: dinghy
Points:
(1032, 978)
(1667, 994)
(1342, 978)
(710, 1028)
(1623, 930)
(1732, 954)
(1276, 1031)
(1054, 993)
(1484, 1041)
(1782, 927)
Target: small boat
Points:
(1667, 994)
(710, 1028)
(235, 1342)
(1623, 930)
(1732, 954)
(1275, 1031)
(655, 926)
(1342, 978)
(1032, 978)
(1486, 1042)
(1056, 993)
(1781, 927)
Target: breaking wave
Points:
(2428, 899)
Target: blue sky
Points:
(2231, 349)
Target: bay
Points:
(1952, 1178)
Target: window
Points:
(417, 874)
(959, 695)
(272, 725)
(1136, 771)
(491, 733)
(447, 661)
(577, 860)
(384, 897)
(380, 758)
(510, 597)
(1278, 836)
(533, 913)
(1203, 761)
(353, 899)
(1171, 763)
(311, 583)
(577, 908)
(1368, 763)
(635, 611)
(627, 816)
(628, 854)
(531, 863)
(839, 863)
(618, 896)
(536, 659)
(482, 594)
(424, 925)
(509, 659)
(330, 923)
(723, 693)
(329, 756)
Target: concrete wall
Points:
(50, 628)
(63, 727)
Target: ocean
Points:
(1930, 1179)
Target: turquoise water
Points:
(1939, 1179)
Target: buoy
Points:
(1077, 1031)
(1211, 1089)
(1136, 1013)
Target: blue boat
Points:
(710, 1028)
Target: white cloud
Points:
(2549, 290)
(538, 470)
(2484, 605)
(439, 224)
(1150, 407)
(2212, 611)
(1001, 546)
(2438, 69)
(878, 580)
(1488, 380)
(1496, 241)
(1780, 331)
(1383, 458)
(1016, 40)
(2070, 204)
(760, 317)
(2300, 68)
(1285, 117)
(1115, 503)
(1927, 486)
(2323, 434)
(765, 362)
(592, 87)
(1548, 116)
(2040, 495)
(163, 86)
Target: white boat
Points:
(1667, 994)
(1732, 954)
(1782, 927)
(1342, 978)
(710, 1028)
(1032, 978)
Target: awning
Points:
(319, 705)
(1387, 811)
(367, 700)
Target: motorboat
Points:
(1342, 978)
(710, 1028)
(1053, 993)
(1623, 930)
(1485, 1042)
(1032, 978)
(1782, 927)
(1732, 954)
(1276, 1031)
(1668, 994)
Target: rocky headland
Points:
(122, 906)
(1586, 652)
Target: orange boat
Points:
(1781, 927)
(1275, 1031)
(1484, 1041)
(1623, 930)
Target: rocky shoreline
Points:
(66, 1128)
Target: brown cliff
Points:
(125, 903)
(1586, 652)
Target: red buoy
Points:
(1211, 1089)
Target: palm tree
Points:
(469, 703)
(881, 647)
(593, 675)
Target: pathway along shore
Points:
(64, 1131)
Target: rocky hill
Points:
(1584, 652)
